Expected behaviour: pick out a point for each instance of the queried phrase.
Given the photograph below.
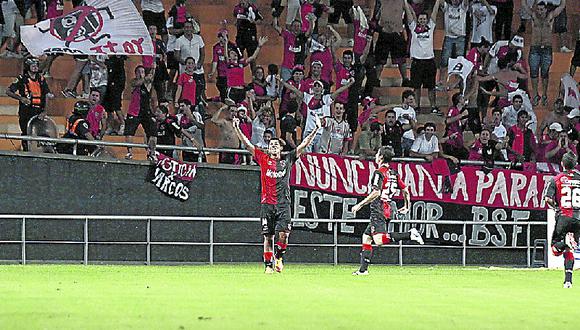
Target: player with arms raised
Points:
(563, 194)
(275, 176)
(386, 182)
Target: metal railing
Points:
(100, 143)
(86, 242)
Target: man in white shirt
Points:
(406, 115)
(483, 16)
(154, 14)
(426, 145)
(423, 67)
(510, 113)
(455, 30)
(192, 45)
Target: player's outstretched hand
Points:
(236, 122)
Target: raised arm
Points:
(335, 44)
(409, 12)
(526, 8)
(249, 146)
(309, 138)
(261, 42)
(291, 88)
(216, 116)
(487, 6)
(277, 28)
(342, 89)
(557, 11)
(435, 10)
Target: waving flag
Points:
(571, 95)
(99, 27)
(460, 66)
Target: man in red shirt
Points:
(275, 213)
(386, 183)
(563, 194)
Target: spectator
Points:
(503, 20)
(540, 56)
(261, 123)
(556, 149)
(266, 137)
(558, 115)
(499, 130)
(277, 10)
(220, 64)
(175, 27)
(501, 49)
(99, 79)
(235, 71)
(192, 45)
(560, 25)
(190, 120)
(154, 15)
(272, 86)
(322, 51)
(316, 75)
(507, 78)
(258, 87)
(393, 133)
(344, 72)
(140, 112)
(247, 15)
(388, 15)
(186, 83)
(96, 116)
(294, 47)
(167, 130)
(288, 126)
(510, 113)
(369, 141)
(228, 138)
(336, 134)
(370, 111)
(361, 32)
(32, 91)
(483, 15)
(522, 142)
(455, 14)
(342, 8)
(485, 148)
(546, 139)
(114, 93)
(70, 91)
(289, 98)
(423, 67)
(13, 12)
(161, 79)
(407, 116)
(426, 145)
(454, 126)
(317, 105)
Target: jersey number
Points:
(389, 190)
(570, 198)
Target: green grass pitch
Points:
(303, 297)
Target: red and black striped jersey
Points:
(564, 189)
(275, 177)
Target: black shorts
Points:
(275, 218)
(157, 19)
(341, 8)
(576, 58)
(113, 95)
(172, 63)
(237, 94)
(392, 44)
(247, 40)
(132, 122)
(423, 73)
(561, 23)
(376, 226)
(565, 225)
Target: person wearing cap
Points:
(32, 91)
(558, 115)
(540, 57)
(501, 49)
(317, 106)
(370, 111)
(219, 63)
(558, 147)
(521, 140)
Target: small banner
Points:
(112, 27)
(460, 66)
(172, 177)
(571, 94)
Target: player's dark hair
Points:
(280, 140)
(407, 93)
(455, 99)
(387, 153)
(569, 160)
(148, 71)
(517, 97)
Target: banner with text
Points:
(172, 177)
(98, 27)
(327, 186)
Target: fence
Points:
(211, 243)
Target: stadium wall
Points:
(50, 185)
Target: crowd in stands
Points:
(490, 116)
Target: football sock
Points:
(365, 257)
(395, 237)
(568, 266)
(280, 249)
(268, 259)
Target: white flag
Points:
(571, 95)
(97, 28)
(460, 66)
